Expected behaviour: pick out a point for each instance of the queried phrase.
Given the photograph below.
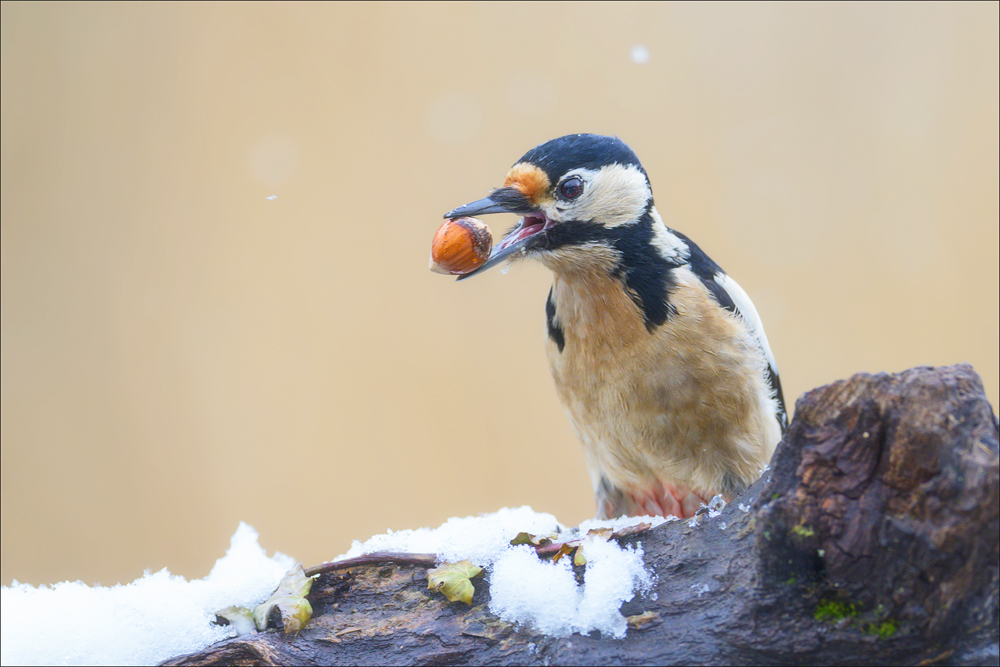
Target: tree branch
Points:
(873, 539)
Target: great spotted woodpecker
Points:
(659, 357)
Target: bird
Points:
(658, 356)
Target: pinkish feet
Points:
(668, 500)
(657, 500)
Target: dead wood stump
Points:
(872, 539)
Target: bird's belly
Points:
(629, 433)
(694, 413)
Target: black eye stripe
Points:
(571, 188)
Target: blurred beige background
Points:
(181, 352)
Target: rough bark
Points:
(873, 539)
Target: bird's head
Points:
(574, 193)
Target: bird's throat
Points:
(592, 305)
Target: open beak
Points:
(505, 200)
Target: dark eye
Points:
(571, 188)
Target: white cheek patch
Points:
(614, 195)
(749, 313)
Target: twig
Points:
(377, 558)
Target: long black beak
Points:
(482, 207)
(504, 200)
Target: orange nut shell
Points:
(460, 246)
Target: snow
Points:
(155, 617)
(545, 595)
(613, 576)
(479, 538)
(715, 506)
(162, 615)
(525, 588)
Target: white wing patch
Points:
(749, 313)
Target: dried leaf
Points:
(534, 540)
(289, 600)
(644, 620)
(564, 550)
(453, 580)
(629, 531)
(602, 534)
(240, 618)
(579, 559)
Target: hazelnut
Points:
(460, 246)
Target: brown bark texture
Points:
(872, 539)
